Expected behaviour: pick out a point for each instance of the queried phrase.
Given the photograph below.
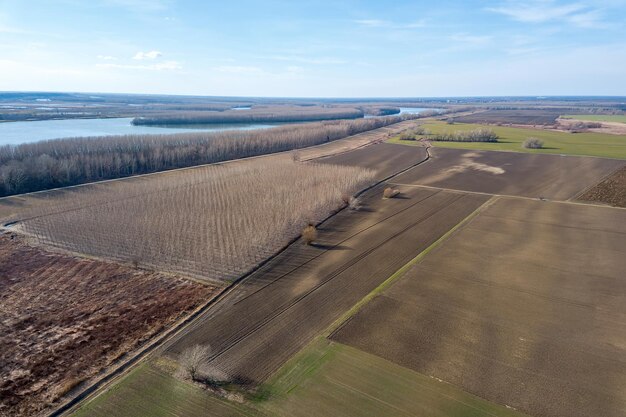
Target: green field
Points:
(325, 379)
(512, 138)
(597, 117)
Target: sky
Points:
(315, 48)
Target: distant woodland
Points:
(64, 162)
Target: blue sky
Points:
(315, 48)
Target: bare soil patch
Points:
(64, 319)
(611, 190)
(509, 173)
(524, 306)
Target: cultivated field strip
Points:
(509, 173)
(523, 306)
(287, 305)
(215, 222)
(386, 157)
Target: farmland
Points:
(64, 319)
(597, 117)
(611, 190)
(539, 329)
(304, 289)
(216, 222)
(508, 173)
(516, 116)
(555, 142)
(325, 379)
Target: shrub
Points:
(533, 143)
(412, 134)
(390, 193)
(309, 234)
(354, 203)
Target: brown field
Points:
(509, 173)
(216, 222)
(611, 190)
(524, 306)
(286, 303)
(355, 141)
(386, 158)
(522, 117)
(64, 319)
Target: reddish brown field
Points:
(611, 191)
(64, 319)
(523, 306)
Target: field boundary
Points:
(345, 318)
(607, 176)
(100, 386)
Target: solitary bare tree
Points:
(194, 359)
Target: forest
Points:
(64, 162)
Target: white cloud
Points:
(542, 11)
(378, 23)
(238, 69)
(471, 39)
(140, 5)
(372, 23)
(161, 66)
(147, 55)
(308, 60)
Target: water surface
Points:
(15, 133)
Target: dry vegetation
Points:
(66, 318)
(59, 163)
(611, 190)
(261, 114)
(214, 222)
(533, 143)
(476, 135)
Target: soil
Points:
(611, 190)
(65, 318)
(285, 304)
(523, 306)
(509, 173)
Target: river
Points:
(15, 133)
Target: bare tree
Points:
(62, 162)
(216, 222)
(194, 359)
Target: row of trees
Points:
(276, 114)
(476, 135)
(216, 221)
(63, 162)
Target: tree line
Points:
(275, 114)
(63, 162)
